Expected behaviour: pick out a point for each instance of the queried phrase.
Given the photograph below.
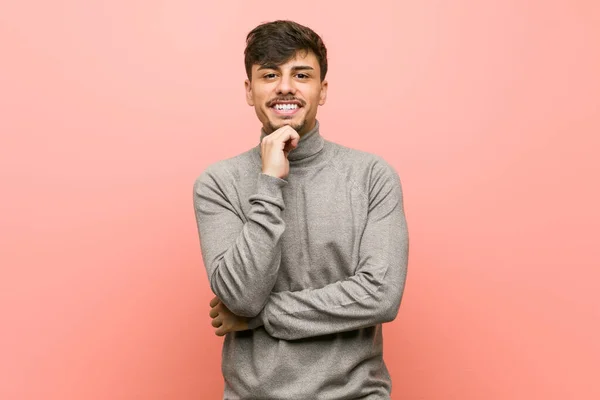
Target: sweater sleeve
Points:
(241, 258)
(372, 295)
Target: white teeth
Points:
(286, 106)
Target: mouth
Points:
(286, 107)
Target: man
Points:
(304, 241)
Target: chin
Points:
(298, 126)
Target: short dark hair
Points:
(277, 42)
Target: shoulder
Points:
(223, 173)
(368, 169)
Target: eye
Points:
(269, 76)
(302, 76)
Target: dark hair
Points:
(277, 42)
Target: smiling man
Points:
(304, 241)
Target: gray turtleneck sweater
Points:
(317, 261)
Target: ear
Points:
(323, 94)
(248, 86)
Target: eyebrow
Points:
(276, 68)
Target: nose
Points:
(286, 85)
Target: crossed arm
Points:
(243, 264)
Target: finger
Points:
(213, 313)
(289, 146)
(283, 134)
(214, 301)
(290, 135)
(216, 322)
(220, 331)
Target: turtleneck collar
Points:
(310, 144)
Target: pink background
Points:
(489, 110)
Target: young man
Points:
(304, 240)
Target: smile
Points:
(285, 108)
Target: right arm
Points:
(241, 259)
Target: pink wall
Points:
(488, 109)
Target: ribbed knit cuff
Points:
(271, 186)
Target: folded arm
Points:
(369, 297)
(241, 259)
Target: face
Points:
(287, 94)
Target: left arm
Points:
(371, 296)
